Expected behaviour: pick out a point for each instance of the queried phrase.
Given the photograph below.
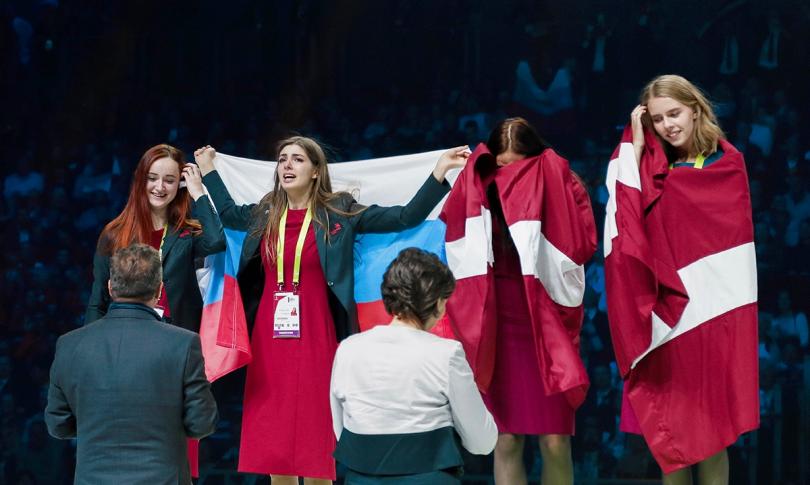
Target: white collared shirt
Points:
(395, 379)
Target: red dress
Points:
(287, 421)
(515, 397)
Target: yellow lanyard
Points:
(299, 249)
(698, 162)
(163, 240)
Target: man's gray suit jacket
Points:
(131, 389)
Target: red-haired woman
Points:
(159, 212)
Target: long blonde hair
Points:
(273, 204)
(707, 131)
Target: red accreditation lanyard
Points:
(299, 249)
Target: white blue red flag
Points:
(383, 181)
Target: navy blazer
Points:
(132, 389)
(336, 253)
(180, 249)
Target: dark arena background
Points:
(88, 85)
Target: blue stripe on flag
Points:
(234, 240)
(374, 252)
(224, 263)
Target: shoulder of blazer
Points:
(343, 201)
(179, 333)
(259, 217)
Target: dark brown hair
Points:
(518, 135)
(414, 283)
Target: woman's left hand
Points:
(452, 158)
(193, 179)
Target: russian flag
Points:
(383, 181)
(223, 327)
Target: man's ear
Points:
(109, 289)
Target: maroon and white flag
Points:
(680, 274)
(550, 220)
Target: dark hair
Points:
(518, 135)
(135, 272)
(414, 283)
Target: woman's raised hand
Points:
(205, 158)
(191, 174)
(638, 130)
(452, 158)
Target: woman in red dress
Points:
(296, 280)
(524, 349)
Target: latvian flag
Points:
(549, 217)
(680, 273)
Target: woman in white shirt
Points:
(403, 398)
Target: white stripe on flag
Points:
(470, 255)
(716, 285)
(563, 279)
(622, 169)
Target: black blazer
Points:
(180, 249)
(336, 254)
(132, 389)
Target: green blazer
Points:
(336, 253)
(180, 249)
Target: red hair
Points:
(134, 223)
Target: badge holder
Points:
(287, 315)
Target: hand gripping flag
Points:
(551, 223)
(680, 276)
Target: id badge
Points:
(287, 318)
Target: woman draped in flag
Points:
(296, 277)
(681, 282)
(158, 212)
(400, 395)
(519, 231)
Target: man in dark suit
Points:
(130, 387)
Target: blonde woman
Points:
(694, 390)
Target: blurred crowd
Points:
(88, 85)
